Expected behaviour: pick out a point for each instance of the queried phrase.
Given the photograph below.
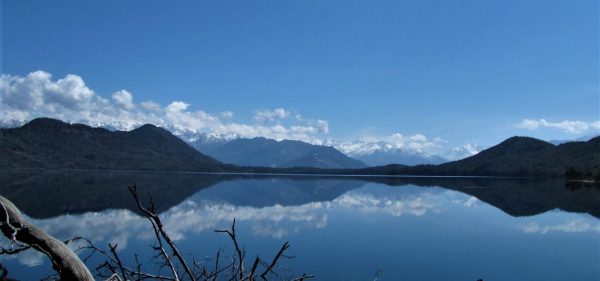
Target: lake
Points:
(339, 228)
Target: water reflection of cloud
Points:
(470, 201)
(567, 227)
(114, 226)
(28, 258)
(417, 205)
(277, 221)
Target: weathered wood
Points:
(64, 261)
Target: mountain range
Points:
(49, 143)
(240, 151)
(275, 154)
(382, 153)
(583, 138)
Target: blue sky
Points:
(462, 71)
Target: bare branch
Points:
(162, 252)
(14, 251)
(304, 277)
(113, 250)
(155, 219)
(240, 252)
(111, 263)
(285, 246)
(250, 276)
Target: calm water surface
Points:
(338, 228)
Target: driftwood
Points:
(64, 261)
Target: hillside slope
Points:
(524, 156)
(49, 143)
(516, 156)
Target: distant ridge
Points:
(398, 156)
(276, 154)
(50, 143)
(584, 138)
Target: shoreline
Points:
(299, 174)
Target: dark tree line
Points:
(573, 174)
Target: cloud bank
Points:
(568, 126)
(37, 94)
(568, 227)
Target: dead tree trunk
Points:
(64, 261)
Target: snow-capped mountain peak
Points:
(462, 152)
(376, 153)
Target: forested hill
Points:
(524, 156)
(49, 143)
(516, 156)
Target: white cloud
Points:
(124, 99)
(471, 202)
(322, 126)
(151, 106)
(68, 99)
(36, 92)
(71, 100)
(472, 149)
(416, 205)
(574, 127)
(568, 227)
(271, 115)
(226, 115)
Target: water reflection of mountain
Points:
(517, 197)
(49, 194)
(263, 192)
